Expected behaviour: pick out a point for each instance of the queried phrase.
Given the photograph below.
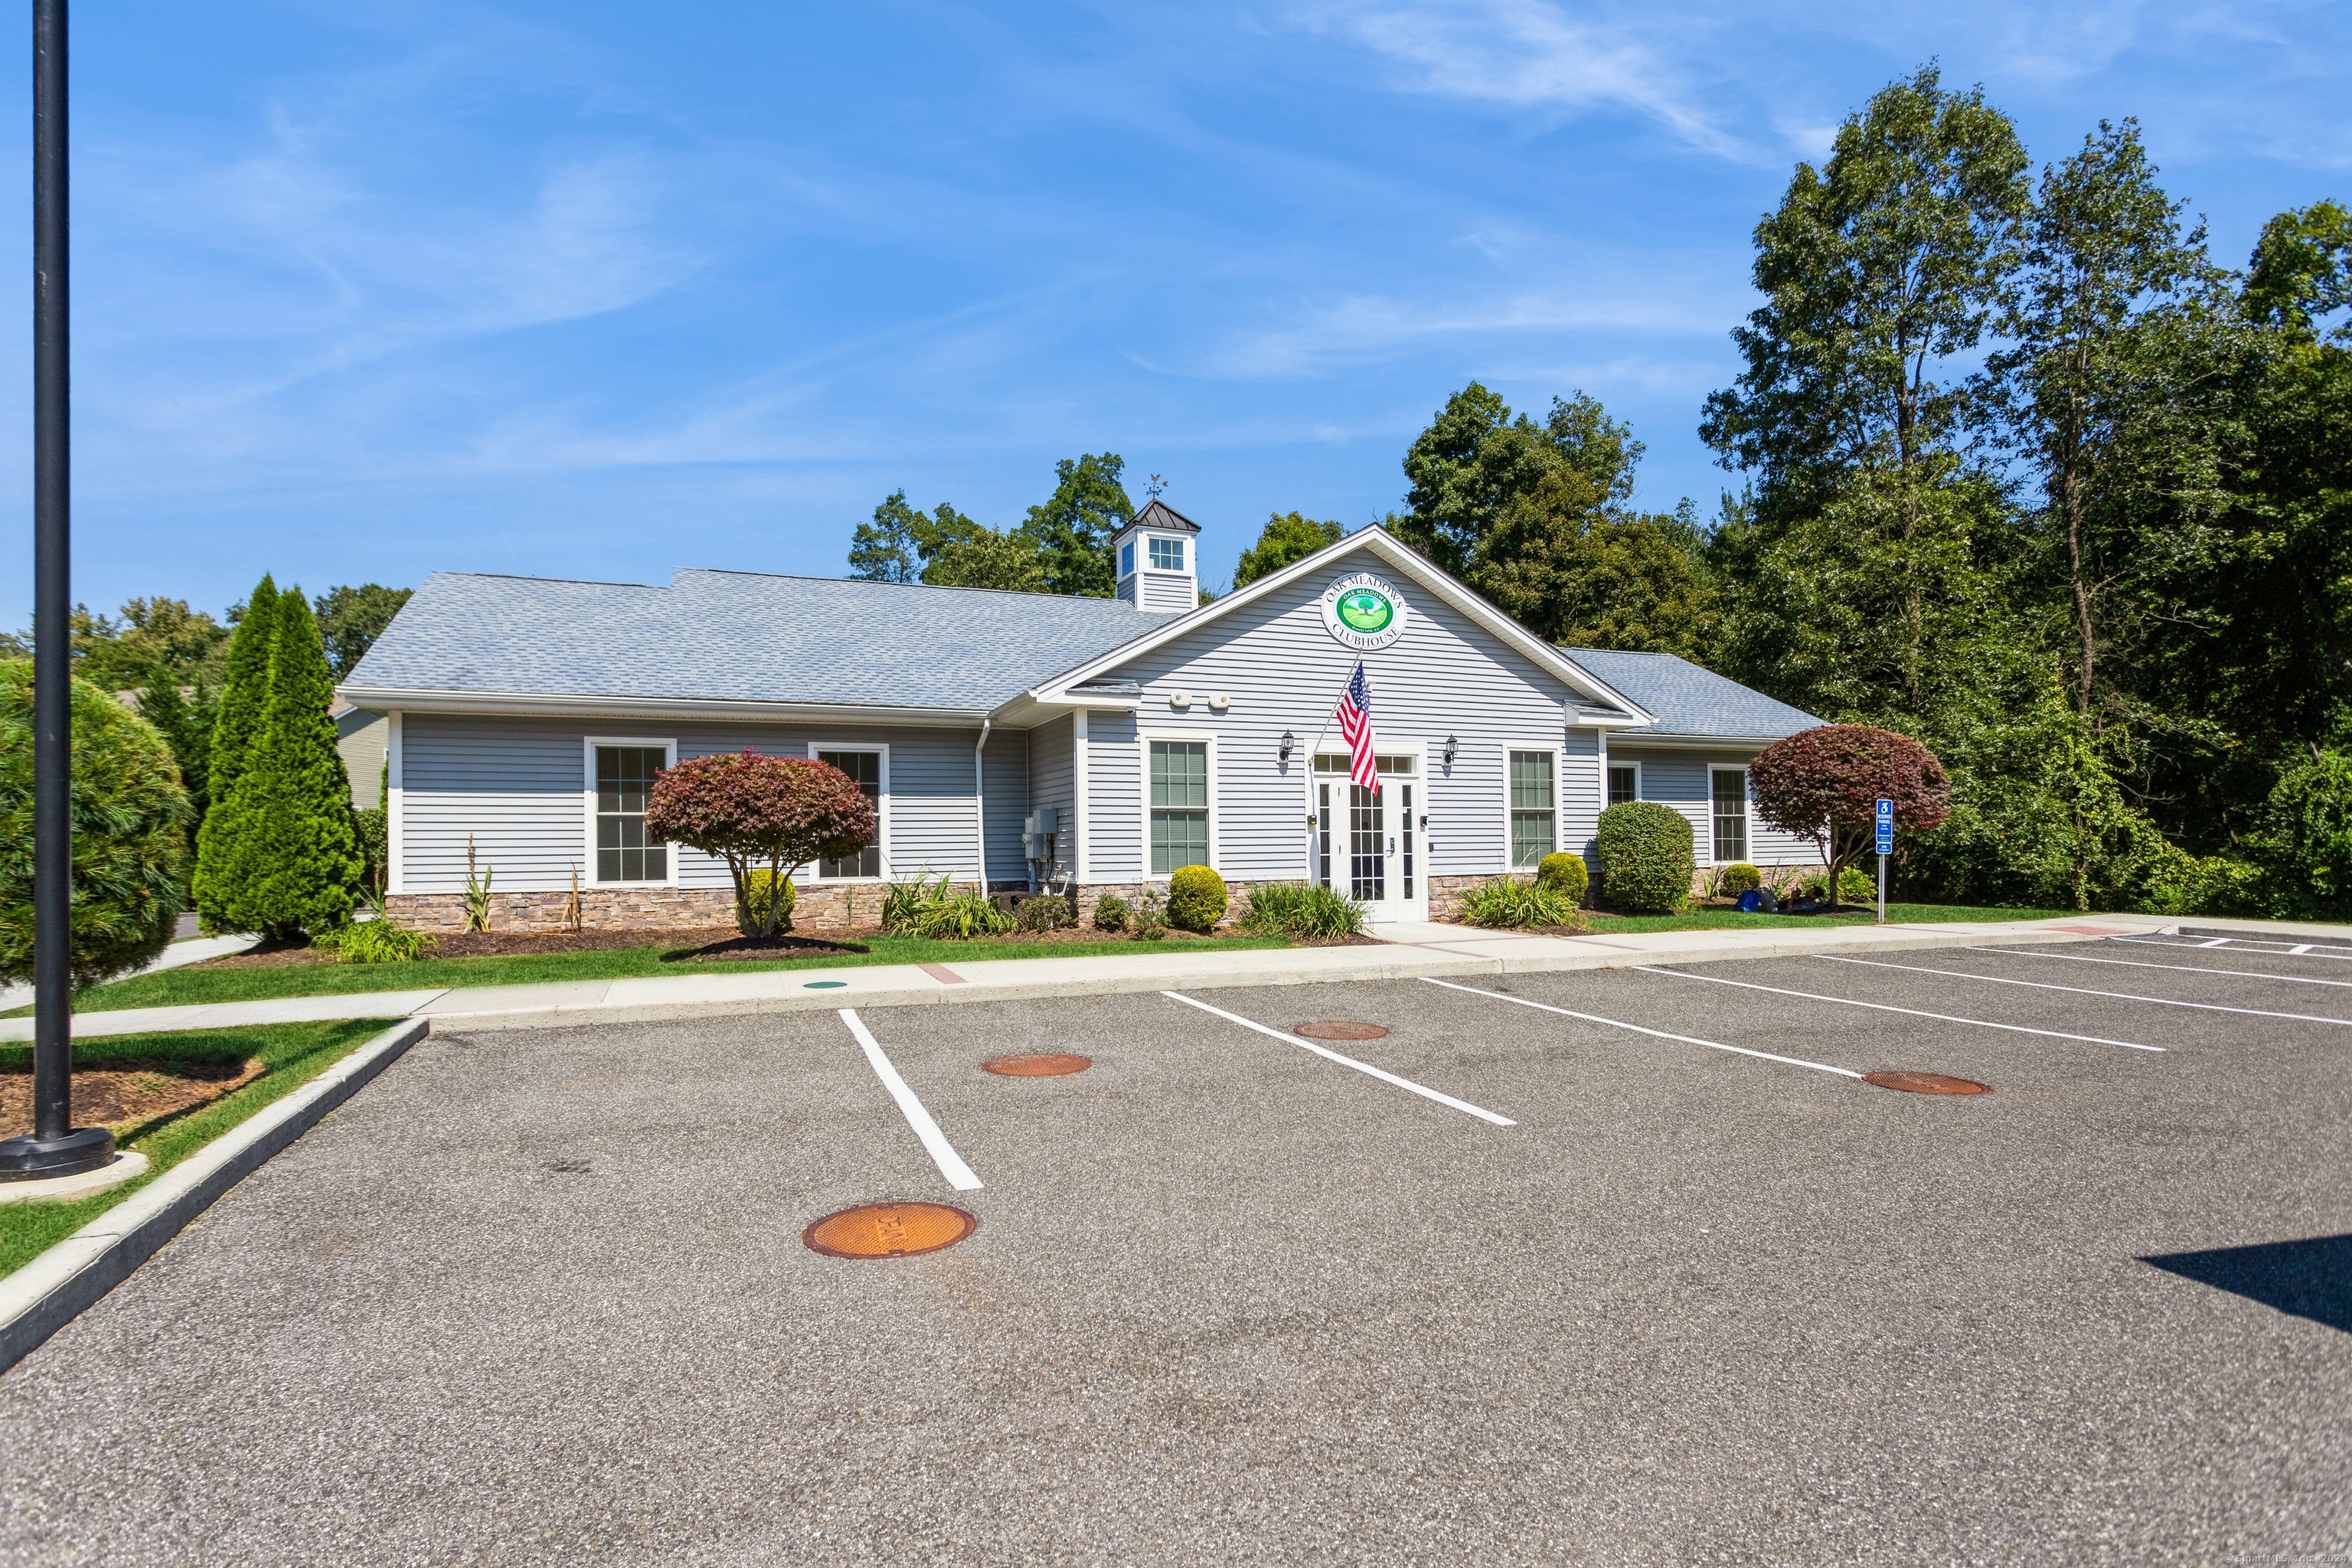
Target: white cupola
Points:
(1158, 565)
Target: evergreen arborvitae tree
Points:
(293, 859)
(244, 697)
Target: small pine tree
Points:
(244, 696)
(297, 862)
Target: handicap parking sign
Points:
(1886, 827)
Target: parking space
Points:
(1604, 1265)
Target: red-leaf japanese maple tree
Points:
(1825, 784)
(754, 811)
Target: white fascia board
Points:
(587, 706)
(1698, 743)
(1402, 557)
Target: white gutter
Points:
(980, 799)
(585, 704)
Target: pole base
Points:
(31, 1159)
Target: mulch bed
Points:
(731, 948)
(130, 1093)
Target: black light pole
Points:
(55, 1147)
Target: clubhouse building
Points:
(1033, 741)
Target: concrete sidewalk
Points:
(1406, 949)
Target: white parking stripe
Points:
(1421, 1089)
(2079, 991)
(2178, 968)
(1888, 1007)
(942, 1152)
(2272, 948)
(2216, 942)
(1659, 1033)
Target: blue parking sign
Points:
(1886, 827)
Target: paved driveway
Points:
(540, 1297)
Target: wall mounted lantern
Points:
(1289, 743)
(1451, 745)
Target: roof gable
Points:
(1608, 704)
(1689, 700)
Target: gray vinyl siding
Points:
(1052, 781)
(361, 738)
(1170, 591)
(518, 786)
(1582, 793)
(1283, 671)
(1114, 799)
(1007, 777)
(1679, 779)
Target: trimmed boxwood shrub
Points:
(1739, 878)
(1196, 899)
(1111, 912)
(1645, 858)
(1046, 911)
(1564, 874)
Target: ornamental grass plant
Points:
(1305, 910)
(1506, 903)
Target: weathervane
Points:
(1154, 487)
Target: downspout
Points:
(980, 799)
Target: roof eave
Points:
(425, 699)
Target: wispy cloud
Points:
(1529, 55)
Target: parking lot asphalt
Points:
(541, 1296)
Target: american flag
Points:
(1356, 724)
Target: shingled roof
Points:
(1690, 702)
(747, 636)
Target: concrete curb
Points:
(50, 1291)
(1400, 961)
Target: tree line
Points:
(2025, 473)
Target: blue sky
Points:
(597, 290)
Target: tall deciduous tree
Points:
(1877, 269)
(2086, 385)
(352, 618)
(1286, 537)
(1072, 530)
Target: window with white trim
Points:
(1127, 559)
(865, 771)
(1534, 812)
(624, 776)
(1167, 556)
(1625, 783)
(1180, 806)
(1728, 788)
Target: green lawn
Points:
(1732, 920)
(294, 1054)
(182, 988)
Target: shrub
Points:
(1855, 886)
(379, 941)
(902, 901)
(1196, 899)
(2180, 883)
(961, 914)
(130, 833)
(2307, 839)
(1825, 783)
(763, 888)
(749, 809)
(1111, 912)
(1047, 912)
(279, 853)
(1645, 858)
(1739, 879)
(1301, 910)
(1564, 874)
(1506, 903)
(1150, 925)
(374, 827)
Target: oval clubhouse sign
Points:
(1363, 611)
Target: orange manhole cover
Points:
(889, 1230)
(1045, 1064)
(1924, 1083)
(1340, 1029)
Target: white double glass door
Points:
(1369, 843)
